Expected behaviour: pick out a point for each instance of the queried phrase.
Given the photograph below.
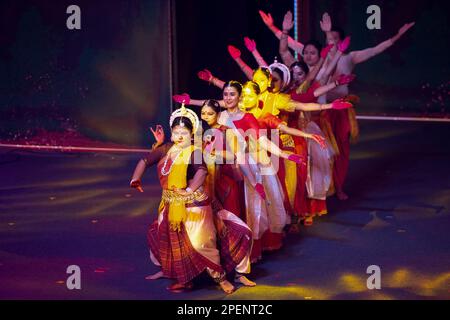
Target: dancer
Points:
(224, 184)
(183, 239)
(344, 122)
(266, 215)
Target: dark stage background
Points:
(110, 80)
(410, 78)
(106, 82)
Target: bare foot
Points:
(245, 281)
(155, 276)
(180, 287)
(226, 286)
(341, 195)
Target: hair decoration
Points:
(284, 69)
(185, 112)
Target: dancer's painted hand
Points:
(205, 75)
(158, 134)
(298, 159)
(344, 44)
(340, 104)
(250, 44)
(182, 98)
(137, 185)
(324, 52)
(345, 79)
(234, 52)
(267, 18)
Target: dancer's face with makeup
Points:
(209, 115)
(181, 136)
(261, 79)
(277, 82)
(249, 98)
(230, 97)
(298, 75)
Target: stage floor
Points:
(60, 209)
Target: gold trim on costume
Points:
(170, 196)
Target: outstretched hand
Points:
(325, 23)
(234, 52)
(182, 98)
(250, 44)
(267, 18)
(340, 104)
(288, 23)
(205, 75)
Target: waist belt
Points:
(170, 196)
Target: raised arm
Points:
(236, 55)
(251, 46)
(364, 55)
(295, 132)
(325, 23)
(268, 21)
(337, 104)
(207, 76)
(286, 56)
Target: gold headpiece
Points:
(185, 112)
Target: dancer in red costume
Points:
(344, 121)
(265, 212)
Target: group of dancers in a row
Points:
(259, 162)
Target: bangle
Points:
(285, 32)
(188, 189)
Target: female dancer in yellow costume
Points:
(183, 238)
